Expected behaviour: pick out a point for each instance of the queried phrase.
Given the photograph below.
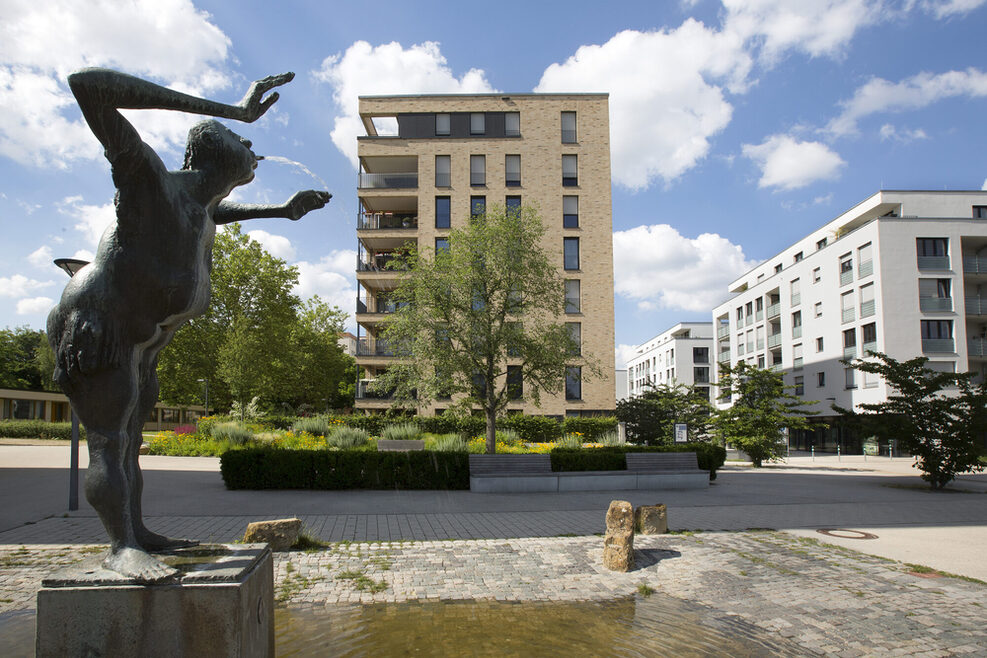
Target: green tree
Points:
(762, 408)
(325, 374)
(650, 417)
(18, 368)
(939, 417)
(44, 362)
(467, 314)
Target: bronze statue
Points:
(150, 276)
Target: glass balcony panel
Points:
(760, 343)
(977, 346)
(866, 268)
(846, 277)
(974, 265)
(723, 356)
(848, 315)
(797, 332)
(385, 221)
(850, 352)
(396, 180)
(758, 316)
(749, 320)
(796, 299)
(797, 363)
(867, 309)
(976, 306)
(774, 310)
(937, 263)
(774, 340)
(933, 304)
(935, 345)
(723, 331)
(868, 347)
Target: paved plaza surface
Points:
(810, 596)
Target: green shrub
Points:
(533, 429)
(233, 432)
(442, 424)
(347, 437)
(571, 441)
(38, 429)
(508, 436)
(450, 443)
(610, 439)
(591, 427)
(710, 457)
(401, 432)
(267, 468)
(374, 424)
(314, 425)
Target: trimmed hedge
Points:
(710, 457)
(591, 427)
(267, 468)
(38, 429)
(533, 429)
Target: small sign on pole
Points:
(681, 433)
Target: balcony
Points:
(774, 310)
(774, 340)
(976, 306)
(974, 265)
(391, 180)
(723, 356)
(380, 348)
(777, 367)
(385, 221)
(866, 269)
(977, 347)
(723, 331)
(849, 315)
(938, 345)
(935, 304)
(363, 391)
(867, 308)
(942, 263)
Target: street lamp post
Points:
(206, 381)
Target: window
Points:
(820, 379)
(700, 375)
(443, 168)
(777, 268)
(568, 127)
(570, 212)
(846, 304)
(800, 385)
(569, 171)
(798, 256)
(574, 383)
(512, 124)
(441, 245)
(821, 243)
(865, 261)
(478, 206)
(934, 288)
(512, 204)
(572, 296)
(479, 385)
(512, 170)
(575, 330)
(478, 170)
(871, 379)
(867, 300)
(846, 269)
(819, 344)
(441, 125)
(980, 212)
(760, 360)
(932, 246)
(868, 334)
(570, 247)
(817, 275)
(515, 385)
(740, 314)
(443, 216)
(818, 309)
(849, 343)
(797, 324)
(759, 304)
(749, 309)
(850, 379)
(700, 355)
(796, 292)
(478, 124)
(797, 356)
(937, 329)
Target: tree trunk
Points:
(491, 430)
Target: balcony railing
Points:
(723, 356)
(373, 221)
(850, 352)
(378, 264)
(400, 181)
(796, 299)
(975, 265)
(976, 306)
(937, 345)
(868, 347)
(977, 346)
(759, 315)
(760, 343)
(774, 310)
(866, 269)
(797, 362)
(777, 367)
(846, 277)
(867, 308)
(363, 391)
(774, 340)
(849, 315)
(723, 331)
(934, 304)
(797, 332)
(749, 320)
(939, 263)
(380, 348)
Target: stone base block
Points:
(618, 550)
(651, 520)
(222, 605)
(280, 534)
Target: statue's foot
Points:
(152, 541)
(135, 563)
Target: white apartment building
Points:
(902, 272)
(680, 355)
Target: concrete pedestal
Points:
(222, 605)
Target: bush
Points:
(401, 432)
(186, 445)
(372, 423)
(235, 433)
(38, 429)
(571, 441)
(315, 425)
(267, 468)
(610, 439)
(591, 427)
(709, 456)
(278, 421)
(533, 429)
(444, 424)
(508, 436)
(348, 437)
(449, 443)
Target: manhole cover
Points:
(845, 534)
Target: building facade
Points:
(444, 157)
(680, 355)
(902, 272)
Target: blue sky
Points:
(736, 126)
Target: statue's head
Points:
(215, 148)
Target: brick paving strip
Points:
(823, 598)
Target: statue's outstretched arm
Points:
(295, 208)
(101, 92)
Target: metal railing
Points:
(976, 306)
(394, 180)
(723, 356)
(867, 308)
(974, 265)
(939, 263)
(933, 304)
(380, 348)
(866, 269)
(363, 391)
(774, 340)
(723, 331)
(935, 345)
(374, 221)
(774, 310)
(977, 346)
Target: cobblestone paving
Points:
(825, 599)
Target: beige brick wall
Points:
(541, 150)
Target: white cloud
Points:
(789, 164)
(34, 305)
(879, 95)
(889, 131)
(91, 221)
(661, 268)
(19, 285)
(984, 186)
(41, 257)
(624, 353)
(84, 254)
(944, 9)
(815, 27)
(42, 42)
(388, 69)
(276, 245)
(666, 95)
(331, 278)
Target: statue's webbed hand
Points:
(305, 202)
(254, 105)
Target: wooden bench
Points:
(667, 470)
(399, 445)
(512, 474)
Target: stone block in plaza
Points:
(221, 604)
(279, 534)
(618, 543)
(651, 520)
